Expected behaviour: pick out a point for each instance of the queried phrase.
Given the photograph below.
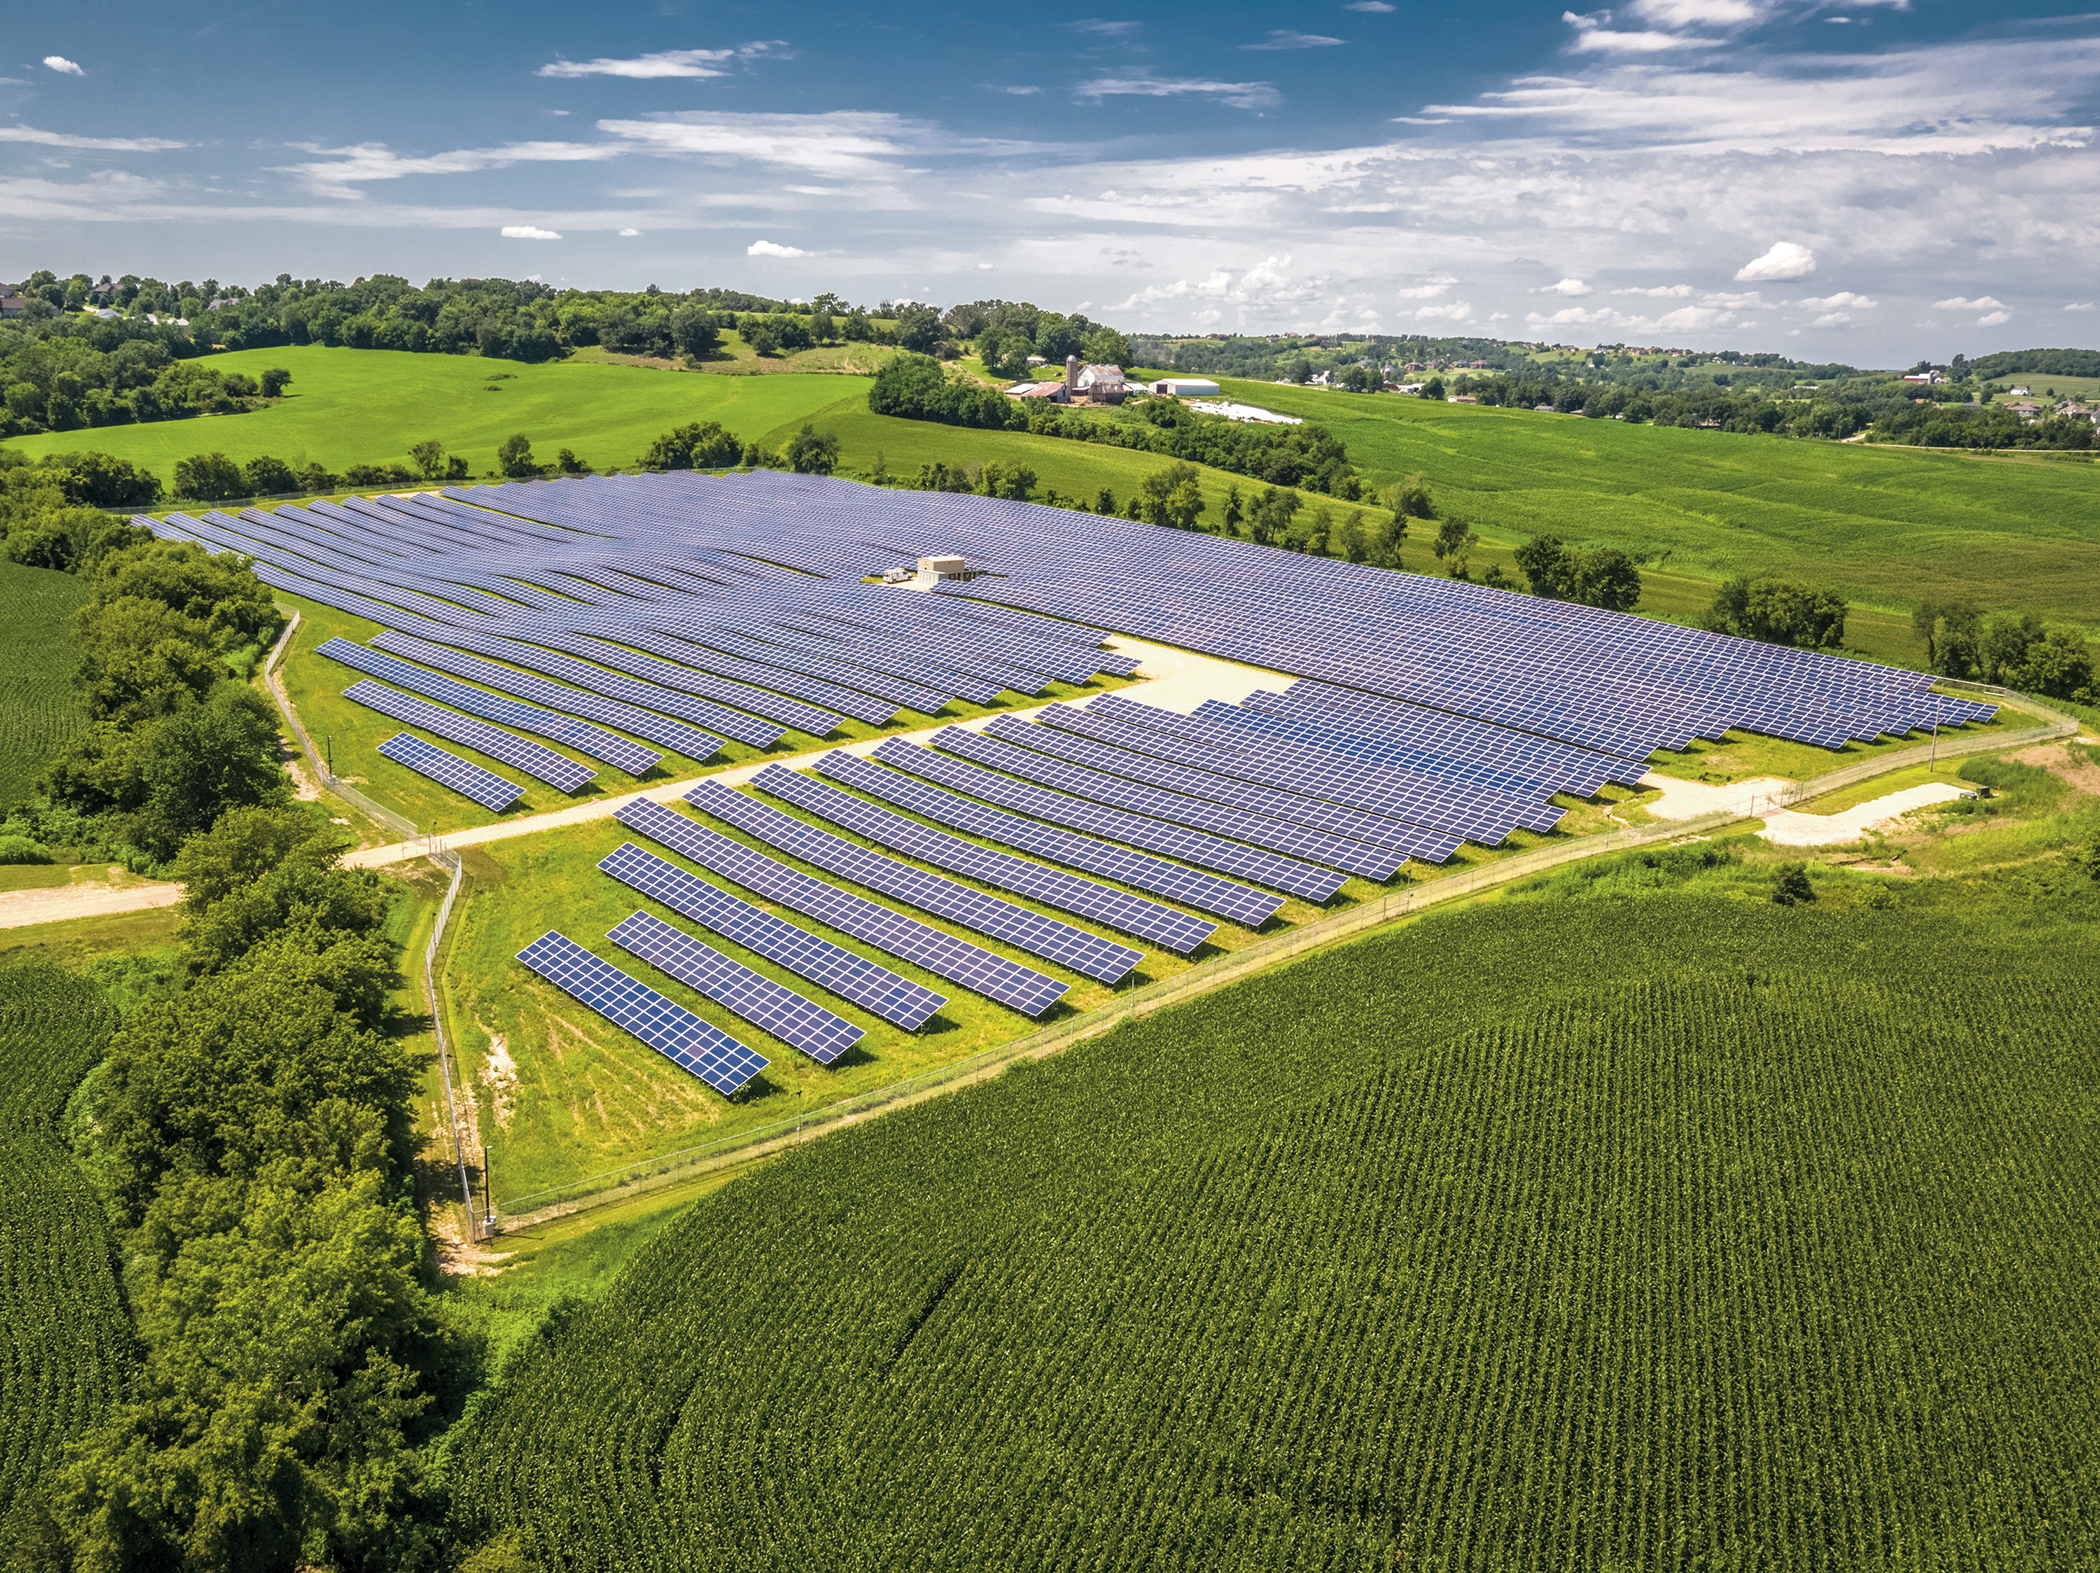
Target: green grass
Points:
(1675, 1233)
(1885, 527)
(370, 406)
(39, 660)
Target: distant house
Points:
(1323, 379)
(13, 305)
(102, 294)
(1055, 392)
(2019, 392)
(1186, 387)
(1461, 398)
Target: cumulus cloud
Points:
(1659, 292)
(63, 66)
(770, 248)
(1593, 36)
(1450, 311)
(1957, 303)
(1428, 289)
(1786, 260)
(1994, 319)
(1833, 319)
(627, 232)
(1284, 38)
(528, 232)
(97, 144)
(1234, 95)
(2083, 305)
(1375, 7)
(1564, 287)
(668, 62)
(1842, 300)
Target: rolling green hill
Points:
(350, 406)
(1675, 1234)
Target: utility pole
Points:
(1933, 762)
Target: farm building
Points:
(1187, 387)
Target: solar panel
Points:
(1241, 903)
(939, 952)
(688, 1042)
(1031, 931)
(1138, 830)
(617, 751)
(792, 1019)
(463, 776)
(872, 987)
(541, 763)
(1052, 887)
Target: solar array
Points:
(874, 988)
(939, 952)
(463, 776)
(801, 1023)
(1241, 903)
(985, 914)
(666, 1026)
(537, 761)
(1052, 887)
(584, 738)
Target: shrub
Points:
(1790, 884)
(20, 849)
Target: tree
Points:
(243, 845)
(1790, 884)
(1105, 502)
(1778, 611)
(429, 455)
(206, 758)
(1269, 520)
(919, 330)
(514, 457)
(693, 332)
(143, 660)
(1432, 389)
(1455, 540)
(1410, 498)
(209, 477)
(1609, 579)
(704, 445)
(2059, 665)
(1173, 497)
(1234, 511)
(822, 327)
(810, 452)
(1543, 560)
(760, 336)
(1301, 371)
(1106, 347)
(856, 329)
(275, 381)
(566, 463)
(268, 477)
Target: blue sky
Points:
(1871, 182)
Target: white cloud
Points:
(1994, 319)
(1235, 95)
(1451, 311)
(1956, 303)
(347, 167)
(668, 62)
(98, 144)
(1428, 289)
(1569, 287)
(1843, 299)
(1786, 260)
(1696, 13)
(1020, 92)
(2084, 305)
(769, 248)
(1659, 292)
(1105, 29)
(838, 143)
(528, 232)
(627, 232)
(1375, 7)
(63, 66)
(1833, 319)
(1284, 38)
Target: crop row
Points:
(1670, 1234)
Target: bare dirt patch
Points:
(461, 1257)
(2080, 773)
(499, 1074)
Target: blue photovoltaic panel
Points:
(1138, 830)
(666, 1026)
(1042, 936)
(941, 953)
(617, 751)
(1241, 903)
(1052, 887)
(543, 764)
(687, 740)
(795, 1021)
(867, 984)
(463, 776)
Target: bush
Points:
(20, 849)
(704, 445)
(209, 477)
(1790, 884)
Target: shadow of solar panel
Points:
(1241, 903)
(542, 764)
(617, 751)
(693, 1045)
(463, 776)
(795, 1021)
(1138, 830)
(1177, 931)
(1001, 919)
(938, 951)
(867, 984)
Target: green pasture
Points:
(1885, 527)
(350, 406)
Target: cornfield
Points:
(65, 1345)
(38, 660)
(1666, 1234)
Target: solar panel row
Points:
(542, 764)
(694, 1045)
(821, 1034)
(463, 776)
(973, 909)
